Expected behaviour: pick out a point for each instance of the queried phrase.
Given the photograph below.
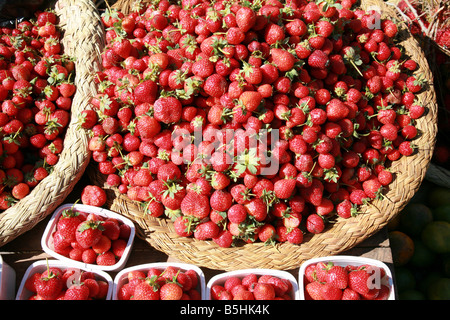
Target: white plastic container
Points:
(344, 261)
(221, 278)
(121, 277)
(41, 265)
(7, 281)
(47, 238)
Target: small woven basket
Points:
(338, 237)
(82, 39)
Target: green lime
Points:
(442, 213)
(446, 265)
(402, 247)
(422, 194)
(422, 257)
(414, 217)
(404, 279)
(428, 280)
(411, 294)
(440, 289)
(436, 236)
(439, 196)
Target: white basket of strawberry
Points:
(253, 284)
(345, 278)
(160, 281)
(59, 280)
(89, 237)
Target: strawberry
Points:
(330, 292)
(250, 100)
(314, 290)
(245, 18)
(77, 292)
(284, 188)
(337, 276)
(318, 59)
(68, 223)
(146, 290)
(282, 59)
(349, 294)
(88, 233)
(171, 291)
(49, 285)
(215, 85)
(358, 281)
(194, 204)
(264, 291)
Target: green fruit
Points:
(439, 196)
(422, 194)
(422, 257)
(439, 290)
(442, 213)
(436, 236)
(414, 217)
(411, 295)
(446, 265)
(402, 247)
(404, 279)
(428, 280)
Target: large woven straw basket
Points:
(83, 40)
(338, 237)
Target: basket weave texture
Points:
(338, 237)
(83, 40)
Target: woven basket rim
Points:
(338, 237)
(74, 158)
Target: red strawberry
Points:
(148, 126)
(88, 233)
(250, 100)
(349, 294)
(49, 286)
(318, 59)
(358, 281)
(67, 224)
(330, 292)
(206, 230)
(215, 85)
(245, 19)
(264, 291)
(314, 291)
(167, 110)
(284, 188)
(196, 205)
(146, 91)
(337, 276)
(282, 59)
(77, 292)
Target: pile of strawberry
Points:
(253, 287)
(66, 284)
(328, 281)
(169, 283)
(423, 17)
(90, 238)
(340, 93)
(36, 89)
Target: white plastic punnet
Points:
(222, 277)
(7, 281)
(47, 237)
(40, 266)
(343, 260)
(121, 277)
